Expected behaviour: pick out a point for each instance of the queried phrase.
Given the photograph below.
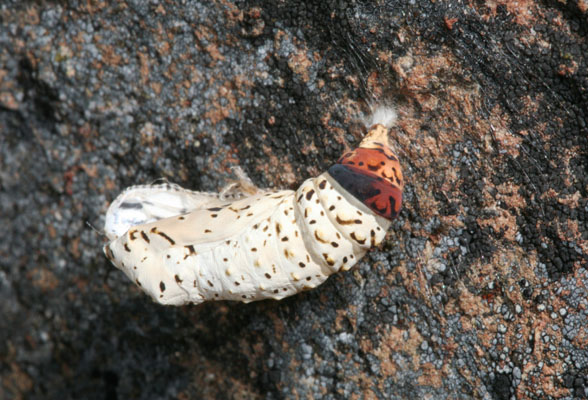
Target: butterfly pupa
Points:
(181, 246)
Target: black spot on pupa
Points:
(268, 276)
(309, 194)
(163, 235)
(323, 184)
(210, 283)
(130, 206)
(317, 237)
(126, 246)
(356, 239)
(301, 264)
(162, 286)
(285, 239)
(341, 221)
(132, 234)
(207, 231)
(108, 252)
(178, 280)
(214, 215)
(145, 237)
(214, 209)
(334, 244)
(328, 259)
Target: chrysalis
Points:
(249, 244)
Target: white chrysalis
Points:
(248, 244)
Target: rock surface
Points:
(480, 290)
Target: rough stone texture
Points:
(480, 290)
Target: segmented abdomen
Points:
(291, 241)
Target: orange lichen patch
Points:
(431, 376)
(16, 381)
(156, 87)
(7, 100)
(42, 278)
(571, 201)
(523, 10)
(90, 170)
(449, 22)
(427, 203)
(504, 222)
(214, 52)
(74, 247)
(109, 55)
(470, 304)
(509, 194)
(299, 64)
(160, 10)
(346, 317)
(218, 112)
(144, 66)
(203, 33)
(507, 140)
(147, 134)
(420, 73)
(31, 16)
(286, 178)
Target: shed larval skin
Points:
(181, 246)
